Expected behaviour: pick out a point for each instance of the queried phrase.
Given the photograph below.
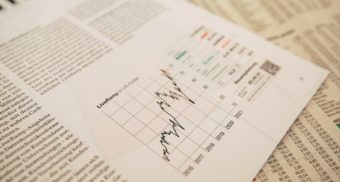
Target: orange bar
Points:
(225, 43)
(204, 35)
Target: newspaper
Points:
(142, 90)
(310, 29)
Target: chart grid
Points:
(138, 112)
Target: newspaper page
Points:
(141, 90)
(310, 150)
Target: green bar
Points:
(180, 55)
(338, 125)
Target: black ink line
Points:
(163, 104)
(12, 1)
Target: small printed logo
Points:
(270, 67)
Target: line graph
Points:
(172, 115)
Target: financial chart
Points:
(172, 115)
